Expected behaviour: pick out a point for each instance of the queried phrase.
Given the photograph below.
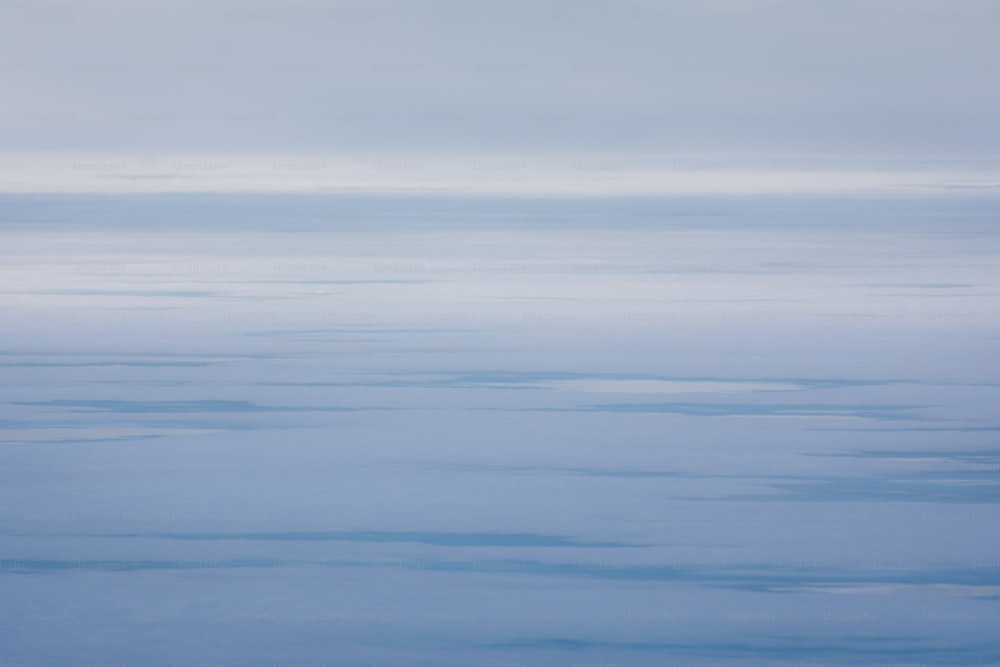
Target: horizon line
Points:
(495, 175)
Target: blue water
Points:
(358, 430)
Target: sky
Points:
(621, 96)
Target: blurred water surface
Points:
(374, 430)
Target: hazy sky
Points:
(887, 79)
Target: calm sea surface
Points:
(358, 430)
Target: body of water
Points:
(360, 430)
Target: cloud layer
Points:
(355, 80)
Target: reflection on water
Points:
(517, 432)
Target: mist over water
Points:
(374, 430)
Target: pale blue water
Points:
(357, 430)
